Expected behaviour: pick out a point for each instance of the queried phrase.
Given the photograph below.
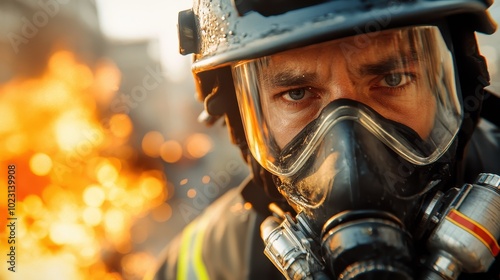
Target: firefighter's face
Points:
(398, 84)
(385, 75)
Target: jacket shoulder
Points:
(222, 243)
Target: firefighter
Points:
(372, 142)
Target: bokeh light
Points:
(198, 145)
(151, 143)
(76, 199)
(191, 193)
(206, 179)
(120, 125)
(40, 164)
(93, 196)
(162, 213)
(171, 151)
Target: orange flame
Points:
(74, 200)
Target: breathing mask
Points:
(358, 134)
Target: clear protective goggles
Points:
(405, 75)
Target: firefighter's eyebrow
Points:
(388, 64)
(291, 78)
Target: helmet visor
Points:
(405, 75)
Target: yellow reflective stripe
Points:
(191, 250)
(199, 266)
(183, 266)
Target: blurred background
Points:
(98, 114)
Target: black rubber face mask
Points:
(352, 170)
(361, 201)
